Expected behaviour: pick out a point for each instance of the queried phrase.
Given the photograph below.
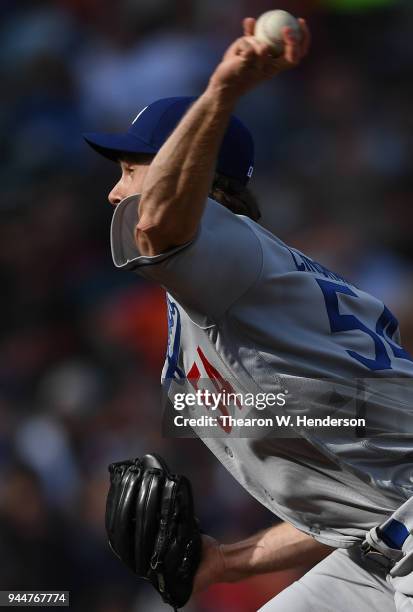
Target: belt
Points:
(377, 557)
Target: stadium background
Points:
(82, 345)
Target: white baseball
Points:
(269, 28)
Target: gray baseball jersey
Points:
(245, 307)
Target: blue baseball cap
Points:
(154, 123)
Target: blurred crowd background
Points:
(82, 345)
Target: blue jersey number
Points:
(385, 328)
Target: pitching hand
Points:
(248, 62)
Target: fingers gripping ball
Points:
(269, 29)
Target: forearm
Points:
(279, 548)
(179, 178)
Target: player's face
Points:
(134, 170)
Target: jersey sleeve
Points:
(208, 274)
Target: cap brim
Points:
(110, 145)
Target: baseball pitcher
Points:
(253, 314)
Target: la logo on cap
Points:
(139, 114)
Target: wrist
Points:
(234, 567)
(220, 94)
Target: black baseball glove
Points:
(151, 525)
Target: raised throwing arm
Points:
(179, 178)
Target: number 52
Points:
(386, 326)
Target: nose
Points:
(115, 196)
